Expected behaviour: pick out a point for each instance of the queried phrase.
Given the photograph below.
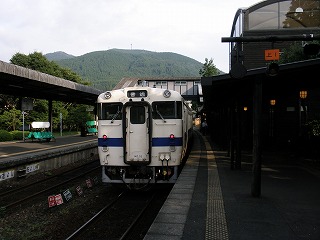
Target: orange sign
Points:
(271, 54)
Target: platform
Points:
(211, 201)
(22, 158)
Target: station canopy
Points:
(23, 82)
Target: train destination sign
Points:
(137, 93)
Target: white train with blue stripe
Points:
(143, 135)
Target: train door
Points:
(137, 138)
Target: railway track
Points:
(128, 216)
(20, 195)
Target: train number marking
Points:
(32, 168)
(6, 175)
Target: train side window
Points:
(99, 108)
(179, 110)
(110, 111)
(137, 115)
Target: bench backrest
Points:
(91, 123)
(40, 124)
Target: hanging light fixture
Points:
(272, 69)
(303, 94)
(299, 9)
(272, 102)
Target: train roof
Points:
(117, 95)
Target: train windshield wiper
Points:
(115, 116)
(160, 114)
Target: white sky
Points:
(192, 28)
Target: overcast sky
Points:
(192, 28)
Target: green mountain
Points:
(58, 56)
(104, 69)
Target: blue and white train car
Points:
(143, 135)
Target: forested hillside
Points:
(58, 56)
(104, 69)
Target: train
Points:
(144, 134)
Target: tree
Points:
(208, 69)
(77, 117)
(10, 119)
(7, 102)
(295, 52)
(39, 112)
(38, 62)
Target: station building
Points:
(254, 107)
(273, 24)
(189, 87)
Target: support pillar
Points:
(50, 114)
(238, 132)
(231, 140)
(256, 151)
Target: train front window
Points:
(137, 115)
(167, 110)
(110, 111)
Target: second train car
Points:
(143, 135)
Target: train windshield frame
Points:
(167, 110)
(110, 111)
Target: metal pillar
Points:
(238, 132)
(50, 113)
(231, 140)
(256, 151)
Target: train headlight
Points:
(132, 94)
(171, 136)
(107, 95)
(166, 93)
(104, 137)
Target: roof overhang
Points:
(221, 89)
(23, 82)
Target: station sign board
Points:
(79, 190)
(26, 104)
(272, 54)
(59, 199)
(89, 183)
(51, 201)
(55, 200)
(67, 195)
